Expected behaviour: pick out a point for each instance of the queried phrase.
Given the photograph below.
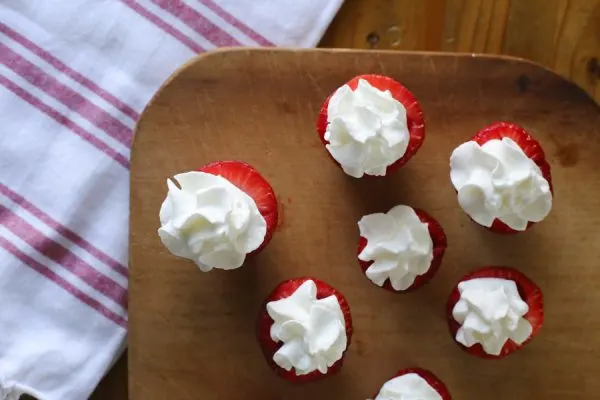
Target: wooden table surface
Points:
(561, 34)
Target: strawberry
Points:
(269, 346)
(440, 243)
(250, 181)
(529, 292)
(530, 147)
(414, 114)
(429, 377)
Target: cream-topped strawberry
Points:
(502, 178)
(218, 215)
(414, 384)
(495, 311)
(304, 329)
(372, 125)
(402, 249)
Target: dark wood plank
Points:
(561, 34)
(114, 385)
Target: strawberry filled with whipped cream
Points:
(402, 249)
(304, 329)
(502, 178)
(218, 215)
(495, 311)
(372, 125)
(414, 384)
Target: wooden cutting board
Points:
(192, 333)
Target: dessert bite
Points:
(304, 329)
(372, 125)
(495, 311)
(414, 383)
(218, 215)
(402, 249)
(502, 178)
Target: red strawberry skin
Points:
(529, 292)
(438, 237)
(431, 379)
(270, 347)
(250, 181)
(530, 146)
(414, 114)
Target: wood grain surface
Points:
(561, 34)
(192, 334)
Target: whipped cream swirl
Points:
(399, 245)
(313, 331)
(490, 311)
(407, 387)
(367, 129)
(210, 221)
(497, 180)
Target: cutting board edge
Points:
(203, 57)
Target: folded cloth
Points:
(74, 77)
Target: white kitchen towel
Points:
(74, 77)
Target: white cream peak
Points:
(367, 129)
(498, 180)
(399, 245)
(408, 387)
(490, 312)
(312, 331)
(210, 221)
